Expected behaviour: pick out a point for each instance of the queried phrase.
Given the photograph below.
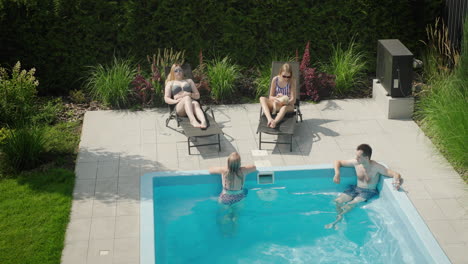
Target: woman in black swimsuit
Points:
(183, 93)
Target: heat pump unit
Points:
(394, 67)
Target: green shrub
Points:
(77, 96)
(348, 66)
(62, 139)
(443, 110)
(262, 82)
(47, 113)
(110, 84)
(94, 30)
(440, 57)
(23, 148)
(444, 115)
(166, 58)
(222, 75)
(17, 94)
(3, 134)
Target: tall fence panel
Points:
(454, 15)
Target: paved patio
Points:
(117, 147)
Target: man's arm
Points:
(341, 163)
(390, 173)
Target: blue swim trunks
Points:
(355, 191)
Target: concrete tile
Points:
(415, 189)
(148, 137)
(444, 232)
(445, 188)
(86, 170)
(129, 170)
(461, 227)
(102, 228)
(106, 189)
(84, 188)
(457, 252)
(127, 227)
(166, 152)
(103, 208)
(75, 252)
(428, 209)
(78, 230)
(451, 208)
(129, 191)
(148, 152)
(82, 208)
(128, 207)
(129, 180)
(101, 251)
(107, 169)
(127, 251)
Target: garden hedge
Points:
(61, 37)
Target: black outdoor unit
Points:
(394, 67)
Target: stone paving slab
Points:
(117, 147)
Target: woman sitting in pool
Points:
(232, 178)
(281, 85)
(183, 93)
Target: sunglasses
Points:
(287, 77)
(178, 70)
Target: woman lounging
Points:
(183, 93)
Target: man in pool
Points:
(368, 173)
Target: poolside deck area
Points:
(117, 147)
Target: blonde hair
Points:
(233, 164)
(286, 68)
(171, 76)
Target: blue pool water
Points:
(278, 223)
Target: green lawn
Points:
(35, 205)
(34, 213)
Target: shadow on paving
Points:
(307, 133)
(107, 176)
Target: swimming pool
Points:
(283, 222)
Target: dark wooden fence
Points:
(454, 15)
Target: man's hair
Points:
(366, 150)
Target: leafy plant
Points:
(222, 75)
(77, 96)
(46, 113)
(157, 81)
(166, 58)
(200, 76)
(110, 84)
(317, 84)
(443, 111)
(348, 65)
(314, 84)
(62, 139)
(440, 56)
(262, 82)
(23, 148)
(17, 94)
(143, 89)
